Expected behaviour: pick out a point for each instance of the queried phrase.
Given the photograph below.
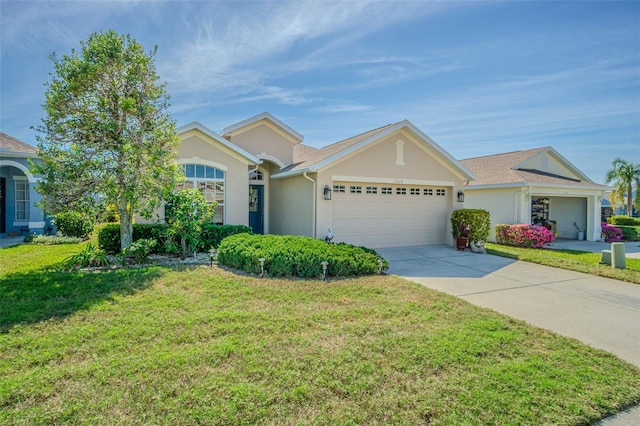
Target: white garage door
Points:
(376, 215)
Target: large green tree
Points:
(107, 134)
(624, 175)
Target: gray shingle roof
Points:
(309, 157)
(11, 144)
(500, 169)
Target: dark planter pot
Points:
(462, 243)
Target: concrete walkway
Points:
(10, 241)
(601, 312)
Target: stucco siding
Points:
(548, 163)
(291, 206)
(264, 139)
(381, 160)
(396, 160)
(501, 204)
(195, 146)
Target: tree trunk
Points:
(184, 252)
(126, 223)
(630, 200)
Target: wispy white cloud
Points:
(27, 24)
(342, 107)
(248, 51)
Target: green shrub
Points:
(523, 235)
(74, 224)
(478, 221)
(90, 256)
(213, 234)
(140, 250)
(53, 240)
(109, 236)
(630, 233)
(150, 231)
(623, 220)
(296, 256)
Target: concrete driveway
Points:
(600, 312)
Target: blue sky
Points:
(478, 77)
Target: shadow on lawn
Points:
(45, 294)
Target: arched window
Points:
(210, 182)
(256, 175)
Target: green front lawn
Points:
(573, 260)
(189, 345)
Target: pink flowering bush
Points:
(611, 233)
(523, 235)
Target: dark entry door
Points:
(3, 205)
(256, 208)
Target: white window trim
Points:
(27, 200)
(223, 180)
(198, 160)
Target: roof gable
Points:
(266, 119)
(218, 139)
(537, 166)
(549, 161)
(336, 152)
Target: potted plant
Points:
(462, 233)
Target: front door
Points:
(256, 208)
(3, 205)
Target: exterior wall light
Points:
(327, 192)
(461, 196)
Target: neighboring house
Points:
(19, 214)
(391, 186)
(536, 185)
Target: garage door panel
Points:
(389, 220)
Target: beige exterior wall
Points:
(504, 205)
(548, 163)
(291, 206)
(412, 163)
(381, 160)
(513, 205)
(198, 148)
(265, 138)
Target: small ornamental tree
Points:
(107, 136)
(185, 213)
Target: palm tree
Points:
(625, 176)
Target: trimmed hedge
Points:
(630, 233)
(523, 235)
(213, 234)
(478, 220)
(623, 220)
(73, 224)
(109, 236)
(296, 256)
